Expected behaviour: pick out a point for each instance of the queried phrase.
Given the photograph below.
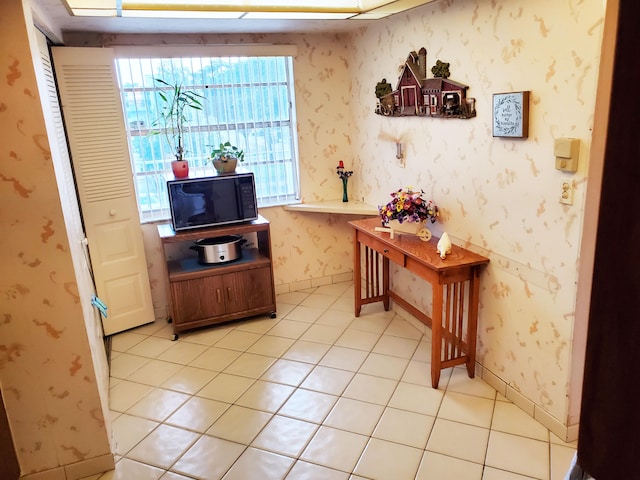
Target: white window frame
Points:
(150, 175)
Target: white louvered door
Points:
(93, 117)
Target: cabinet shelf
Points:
(187, 268)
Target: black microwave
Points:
(211, 201)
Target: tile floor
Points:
(313, 394)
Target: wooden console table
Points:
(455, 284)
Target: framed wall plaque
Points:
(511, 114)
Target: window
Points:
(247, 100)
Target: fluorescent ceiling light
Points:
(250, 9)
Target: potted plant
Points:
(225, 157)
(176, 100)
(408, 211)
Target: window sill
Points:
(337, 206)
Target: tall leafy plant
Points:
(175, 101)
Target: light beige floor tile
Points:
(283, 309)
(518, 454)
(384, 366)
(396, 346)
(126, 469)
(125, 340)
(303, 313)
(509, 418)
(401, 328)
(459, 440)
(238, 340)
(303, 351)
(206, 336)
(151, 328)
(441, 467)
(158, 404)
(197, 414)
(335, 318)
(288, 372)
(354, 416)
(308, 471)
(163, 446)
(285, 435)
(289, 329)
(335, 289)
(154, 372)
(343, 304)
(407, 428)
(496, 474)
(554, 439)
(239, 424)
(423, 351)
(469, 409)
(335, 448)
(292, 298)
(328, 380)
(417, 398)
(128, 431)
(370, 389)
(189, 379)
(208, 458)
(271, 346)
(358, 339)
(216, 359)
(151, 347)
(318, 300)
(174, 476)
(182, 352)
(309, 406)
(418, 373)
(561, 458)
(371, 323)
(250, 365)
(125, 394)
(126, 364)
(461, 383)
(385, 460)
(225, 388)
(322, 334)
(344, 358)
(255, 463)
(259, 325)
(265, 396)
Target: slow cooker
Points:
(219, 249)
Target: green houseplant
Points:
(226, 156)
(171, 121)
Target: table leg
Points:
(357, 277)
(472, 333)
(436, 335)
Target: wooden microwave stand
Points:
(455, 289)
(202, 295)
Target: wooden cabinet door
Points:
(248, 289)
(198, 299)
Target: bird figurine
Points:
(444, 246)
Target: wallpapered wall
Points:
(498, 196)
(52, 360)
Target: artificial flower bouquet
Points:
(407, 205)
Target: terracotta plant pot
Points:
(180, 168)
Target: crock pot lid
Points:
(219, 240)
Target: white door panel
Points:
(100, 156)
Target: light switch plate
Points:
(566, 151)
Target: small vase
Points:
(345, 197)
(180, 168)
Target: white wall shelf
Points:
(337, 206)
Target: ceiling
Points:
(58, 17)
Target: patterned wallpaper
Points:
(50, 370)
(498, 196)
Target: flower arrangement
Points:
(407, 205)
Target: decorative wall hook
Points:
(399, 152)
